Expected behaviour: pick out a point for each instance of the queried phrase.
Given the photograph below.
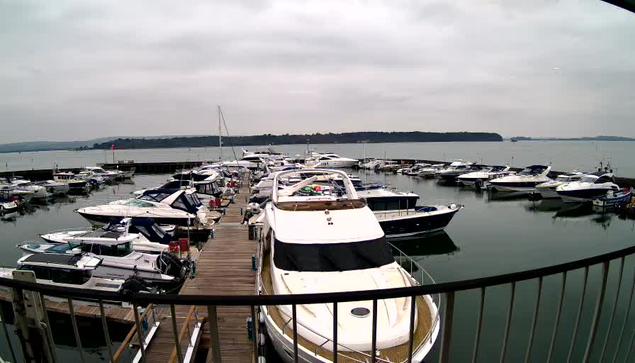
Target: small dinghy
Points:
(613, 199)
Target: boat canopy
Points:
(331, 257)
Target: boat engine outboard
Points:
(135, 284)
(173, 266)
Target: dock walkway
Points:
(223, 268)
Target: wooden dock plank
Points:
(223, 268)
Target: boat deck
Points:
(223, 268)
(395, 354)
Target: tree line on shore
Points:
(287, 139)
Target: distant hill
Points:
(29, 146)
(595, 138)
(287, 139)
(48, 145)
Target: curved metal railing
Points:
(449, 289)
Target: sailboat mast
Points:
(220, 136)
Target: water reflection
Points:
(545, 205)
(574, 210)
(435, 244)
(505, 196)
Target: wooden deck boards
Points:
(113, 314)
(223, 268)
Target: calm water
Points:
(488, 237)
(563, 155)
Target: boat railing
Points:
(600, 325)
(289, 324)
(415, 269)
(132, 348)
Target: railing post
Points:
(534, 320)
(104, 325)
(617, 297)
(255, 332)
(577, 320)
(597, 314)
(479, 325)
(508, 323)
(212, 319)
(446, 327)
(554, 335)
(49, 334)
(373, 349)
(294, 313)
(78, 339)
(411, 333)
(177, 343)
(139, 331)
(335, 326)
(626, 315)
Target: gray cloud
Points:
(76, 70)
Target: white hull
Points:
(284, 344)
(506, 188)
(337, 164)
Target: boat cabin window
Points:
(206, 188)
(327, 257)
(605, 179)
(62, 276)
(391, 204)
(186, 203)
(119, 250)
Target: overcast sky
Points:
(72, 70)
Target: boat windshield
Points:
(589, 179)
(533, 170)
(331, 257)
(118, 250)
(139, 203)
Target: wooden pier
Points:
(223, 268)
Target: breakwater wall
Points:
(172, 167)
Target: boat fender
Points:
(261, 359)
(262, 339)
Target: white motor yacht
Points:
(119, 260)
(146, 235)
(181, 208)
(56, 188)
(75, 184)
(400, 216)
(415, 169)
(590, 187)
(525, 181)
(430, 171)
(548, 189)
(111, 175)
(320, 238)
(330, 160)
(71, 271)
(479, 178)
(455, 169)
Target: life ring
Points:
(174, 246)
